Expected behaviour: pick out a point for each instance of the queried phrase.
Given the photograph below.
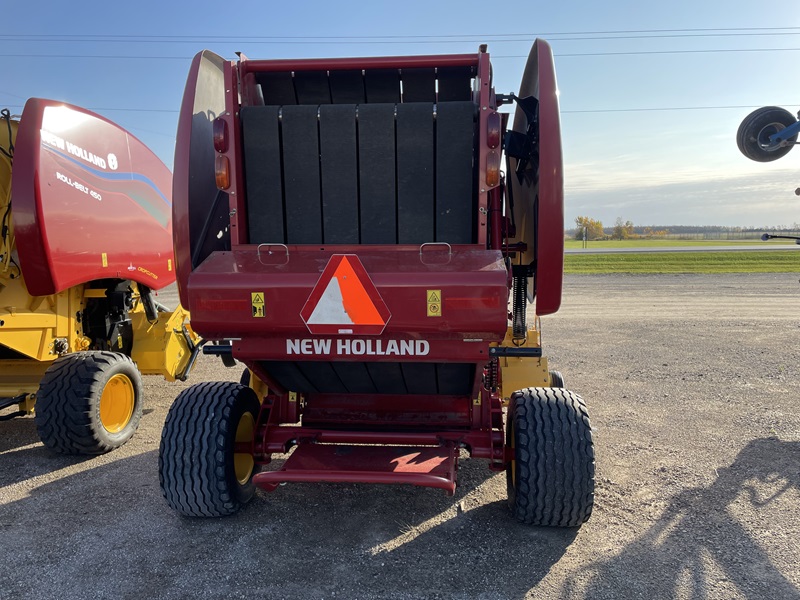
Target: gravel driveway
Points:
(692, 383)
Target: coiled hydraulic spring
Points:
(519, 327)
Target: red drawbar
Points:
(424, 466)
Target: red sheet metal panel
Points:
(382, 62)
(197, 203)
(542, 228)
(423, 466)
(470, 284)
(90, 201)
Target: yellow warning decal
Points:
(257, 300)
(434, 303)
(104, 258)
(169, 264)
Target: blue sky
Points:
(128, 62)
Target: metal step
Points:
(426, 466)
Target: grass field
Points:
(685, 262)
(574, 244)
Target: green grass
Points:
(661, 243)
(684, 262)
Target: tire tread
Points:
(554, 458)
(66, 412)
(193, 459)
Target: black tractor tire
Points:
(757, 127)
(551, 477)
(556, 379)
(200, 473)
(89, 403)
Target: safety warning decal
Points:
(345, 301)
(434, 303)
(257, 300)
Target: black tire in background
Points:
(757, 127)
(200, 473)
(551, 478)
(556, 379)
(89, 403)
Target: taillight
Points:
(492, 169)
(220, 130)
(222, 172)
(493, 130)
(222, 166)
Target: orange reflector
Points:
(220, 131)
(222, 172)
(493, 169)
(493, 130)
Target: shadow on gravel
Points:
(496, 557)
(17, 432)
(699, 548)
(302, 541)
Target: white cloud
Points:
(689, 199)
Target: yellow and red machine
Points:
(86, 241)
(343, 227)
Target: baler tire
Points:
(556, 379)
(197, 460)
(758, 126)
(551, 477)
(89, 403)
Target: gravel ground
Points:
(692, 383)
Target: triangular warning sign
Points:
(345, 301)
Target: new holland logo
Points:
(345, 301)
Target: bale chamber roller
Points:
(344, 228)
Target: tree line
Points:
(593, 229)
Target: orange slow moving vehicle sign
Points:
(345, 301)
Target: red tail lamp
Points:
(493, 128)
(220, 131)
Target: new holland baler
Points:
(345, 229)
(86, 242)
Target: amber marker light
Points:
(220, 132)
(222, 172)
(493, 130)
(493, 169)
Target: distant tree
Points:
(622, 231)
(649, 232)
(594, 229)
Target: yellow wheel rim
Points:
(116, 403)
(243, 463)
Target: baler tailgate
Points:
(426, 466)
(353, 241)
